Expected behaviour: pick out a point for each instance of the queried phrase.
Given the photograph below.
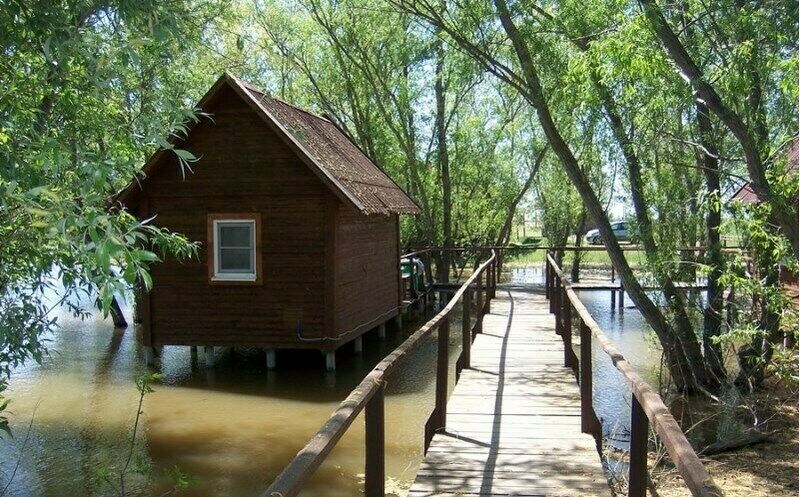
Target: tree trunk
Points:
(505, 232)
(443, 158)
(712, 314)
(683, 355)
(682, 325)
(575, 275)
(754, 357)
(785, 213)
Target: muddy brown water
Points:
(233, 427)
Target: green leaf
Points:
(146, 255)
(185, 155)
(146, 279)
(103, 256)
(129, 274)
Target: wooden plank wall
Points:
(367, 271)
(244, 167)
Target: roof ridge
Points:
(329, 152)
(266, 94)
(312, 114)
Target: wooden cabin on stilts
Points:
(299, 231)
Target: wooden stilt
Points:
(209, 353)
(193, 353)
(358, 345)
(270, 358)
(149, 355)
(116, 314)
(382, 331)
(330, 360)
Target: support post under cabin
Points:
(330, 360)
(382, 331)
(398, 320)
(270, 358)
(149, 355)
(209, 353)
(116, 314)
(358, 345)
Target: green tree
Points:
(89, 90)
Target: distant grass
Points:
(595, 258)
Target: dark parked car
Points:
(620, 231)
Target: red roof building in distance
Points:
(746, 195)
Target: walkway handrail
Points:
(368, 396)
(646, 403)
(554, 248)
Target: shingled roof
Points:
(328, 151)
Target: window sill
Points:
(250, 280)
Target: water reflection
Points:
(235, 426)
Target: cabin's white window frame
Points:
(217, 273)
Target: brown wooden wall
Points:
(367, 271)
(243, 167)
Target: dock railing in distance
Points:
(368, 396)
(647, 407)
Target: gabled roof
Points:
(324, 148)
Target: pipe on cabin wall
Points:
(299, 327)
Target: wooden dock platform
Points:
(513, 421)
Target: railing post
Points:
(489, 291)
(479, 305)
(494, 277)
(490, 282)
(637, 476)
(438, 418)
(375, 465)
(495, 274)
(466, 328)
(547, 271)
(589, 421)
(566, 331)
(613, 292)
(557, 303)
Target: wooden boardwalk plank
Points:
(513, 419)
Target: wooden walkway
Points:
(513, 420)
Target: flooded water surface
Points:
(234, 426)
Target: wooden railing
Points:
(647, 407)
(368, 396)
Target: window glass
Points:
(234, 256)
(235, 235)
(235, 260)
